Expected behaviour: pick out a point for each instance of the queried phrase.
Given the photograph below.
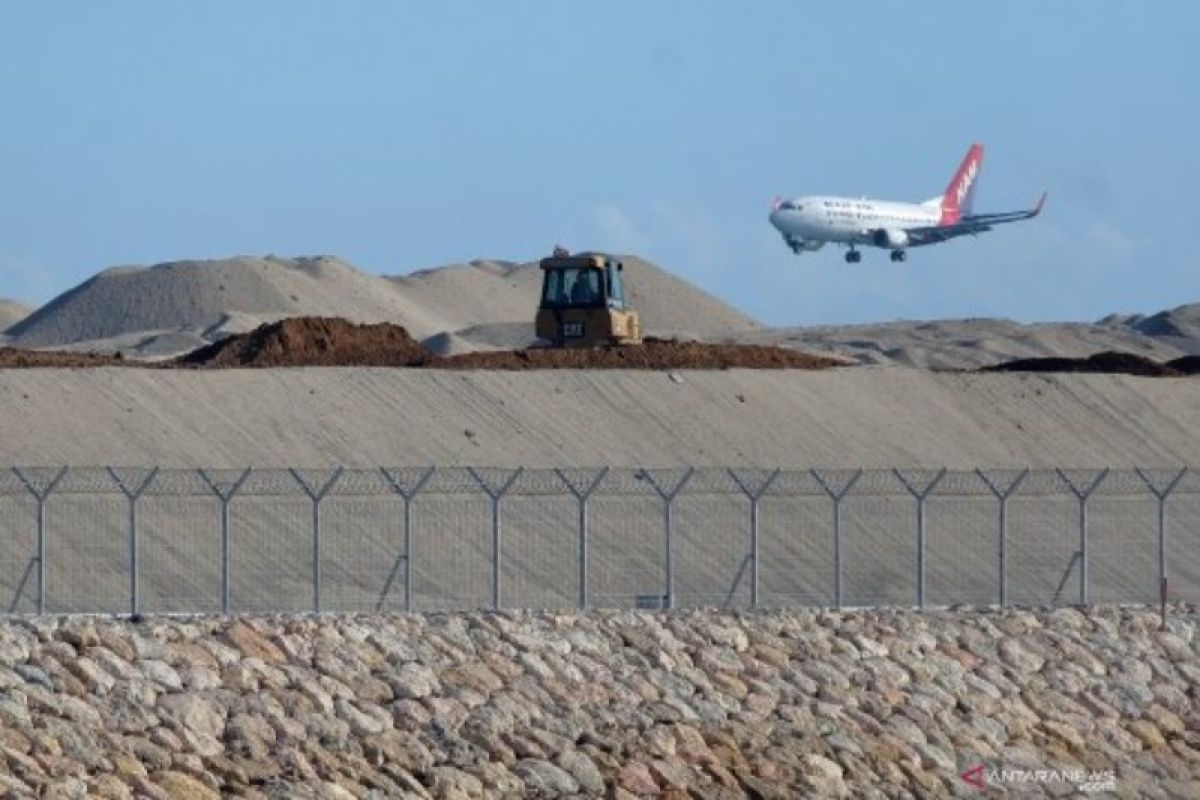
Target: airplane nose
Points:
(774, 217)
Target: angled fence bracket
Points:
(668, 495)
(920, 494)
(316, 493)
(407, 493)
(754, 493)
(837, 494)
(40, 494)
(1161, 494)
(582, 495)
(225, 495)
(1082, 492)
(496, 494)
(133, 493)
(1002, 492)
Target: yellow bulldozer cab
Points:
(583, 303)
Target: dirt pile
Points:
(1188, 365)
(1110, 362)
(313, 341)
(15, 357)
(654, 354)
(335, 342)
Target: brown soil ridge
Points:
(313, 342)
(336, 342)
(1109, 362)
(653, 354)
(319, 341)
(19, 358)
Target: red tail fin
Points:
(960, 194)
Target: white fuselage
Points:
(811, 221)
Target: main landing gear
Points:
(899, 255)
(853, 256)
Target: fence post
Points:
(40, 559)
(836, 495)
(668, 497)
(133, 493)
(920, 495)
(1162, 495)
(754, 494)
(581, 497)
(225, 496)
(408, 495)
(496, 495)
(316, 495)
(1082, 493)
(1002, 493)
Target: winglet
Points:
(1037, 209)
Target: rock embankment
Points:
(615, 704)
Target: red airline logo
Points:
(974, 777)
(959, 189)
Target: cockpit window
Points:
(572, 288)
(788, 205)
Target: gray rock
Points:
(414, 681)
(544, 779)
(161, 673)
(446, 780)
(193, 712)
(33, 674)
(583, 770)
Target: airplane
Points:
(808, 223)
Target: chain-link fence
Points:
(149, 540)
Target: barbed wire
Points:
(610, 480)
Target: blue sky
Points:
(405, 135)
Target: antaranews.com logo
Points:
(980, 776)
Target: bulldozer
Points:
(583, 302)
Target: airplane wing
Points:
(972, 224)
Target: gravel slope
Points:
(773, 705)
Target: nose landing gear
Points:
(899, 255)
(853, 256)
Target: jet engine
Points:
(890, 237)
(798, 245)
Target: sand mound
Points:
(1180, 322)
(483, 294)
(654, 354)
(1107, 362)
(216, 297)
(313, 341)
(670, 306)
(12, 312)
(971, 343)
(488, 304)
(462, 295)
